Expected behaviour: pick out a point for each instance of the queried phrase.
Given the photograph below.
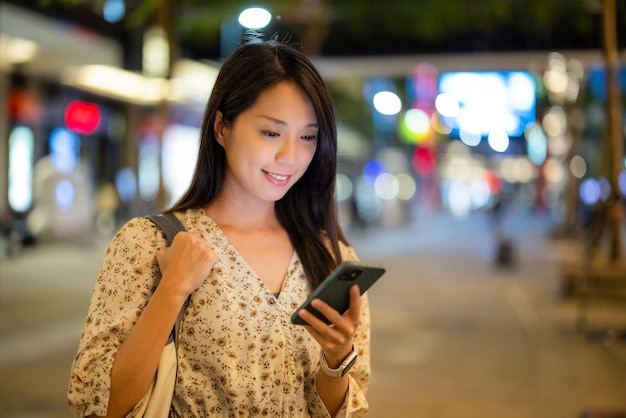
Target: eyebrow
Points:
(282, 122)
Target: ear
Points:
(219, 127)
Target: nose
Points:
(287, 151)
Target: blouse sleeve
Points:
(124, 284)
(355, 404)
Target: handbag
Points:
(158, 400)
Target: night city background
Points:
(481, 160)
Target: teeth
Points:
(277, 176)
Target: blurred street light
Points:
(254, 18)
(231, 30)
(387, 103)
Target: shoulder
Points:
(194, 219)
(138, 227)
(134, 235)
(143, 226)
(142, 229)
(348, 253)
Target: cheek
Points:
(238, 150)
(309, 153)
(304, 162)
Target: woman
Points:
(262, 233)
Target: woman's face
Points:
(270, 145)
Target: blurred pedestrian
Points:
(262, 233)
(504, 254)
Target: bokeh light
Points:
(387, 103)
(424, 160)
(486, 100)
(438, 125)
(254, 18)
(148, 170)
(155, 53)
(517, 170)
(447, 105)
(459, 199)
(64, 195)
(180, 145)
(621, 182)
(64, 150)
(368, 203)
(578, 166)
(386, 186)
(559, 146)
(470, 137)
(21, 149)
(415, 126)
(555, 122)
(498, 140)
(480, 194)
(113, 10)
(536, 143)
(553, 171)
(126, 184)
(406, 186)
(372, 170)
(605, 188)
(344, 187)
(589, 191)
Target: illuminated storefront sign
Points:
(82, 117)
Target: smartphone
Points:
(335, 289)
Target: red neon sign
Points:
(82, 117)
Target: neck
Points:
(224, 212)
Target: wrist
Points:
(337, 367)
(335, 359)
(170, 294)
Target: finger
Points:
(354, 311)
(327, 311)
(353, 314)
(339, 332)
(311, 319)
(327, 337)
(316, 335)
(323, 329)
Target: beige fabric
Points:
(238, 353)
(158, 400)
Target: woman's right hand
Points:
(186, 263)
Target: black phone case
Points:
(334, 290)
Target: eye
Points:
(311, 137)
(271, 134)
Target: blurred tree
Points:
(362, 27)
(615, 127)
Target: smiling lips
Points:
(277, 179)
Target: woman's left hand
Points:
(336, 339)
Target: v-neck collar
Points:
(230, 253)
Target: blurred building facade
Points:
(97, 128)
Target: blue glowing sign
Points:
(483, 101)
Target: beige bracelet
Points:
(342, 369)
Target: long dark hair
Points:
(308, 211)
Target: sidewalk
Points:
(455, 337)
(452, 337)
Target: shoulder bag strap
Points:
(170, 225)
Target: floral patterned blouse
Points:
(239, 355)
